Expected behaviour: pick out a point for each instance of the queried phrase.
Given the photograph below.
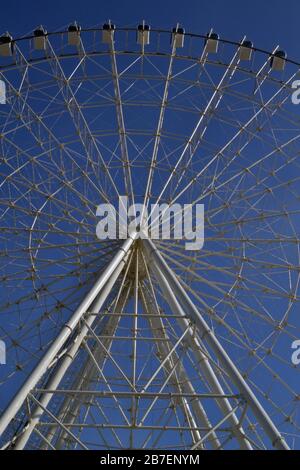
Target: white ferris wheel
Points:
(139, 343)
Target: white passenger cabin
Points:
(74, 34)
(6, 47)
(177, 37)
(39, 40)
(143, 34)
(245, 51)
(108, 33)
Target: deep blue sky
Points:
(265, 22)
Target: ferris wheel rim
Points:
(156, 30)
(168, 249)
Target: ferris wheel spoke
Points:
(236, 175)
(87, 139)
(217, 286)
(57, 278)
(36, 159)
(238, 278)
(159, 126)
(243, 128)
(199, 131)
(121, 123)
(263, 73)
(182, 335)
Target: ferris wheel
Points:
(136, 343)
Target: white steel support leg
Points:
(202, 360)
(191, 310)
(59, 373)
(181, 384)
(65, 333)
(157, 325)
(81, 380)
(69, 412)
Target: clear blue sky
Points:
(265, 22)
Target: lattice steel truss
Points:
(132, 343)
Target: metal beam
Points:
(202, 359)
(264, 419)
(177, 382)
(121, 123)
(181, 381)
(202, 124)
(159, 129)
(65, 333)
(59, 372)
